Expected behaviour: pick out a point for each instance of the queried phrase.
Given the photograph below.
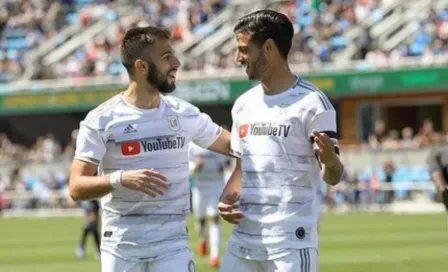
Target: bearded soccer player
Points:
(284, 133)
(138, 140)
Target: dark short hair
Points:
(136, 41)
(267, 24)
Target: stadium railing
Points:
(230, 73)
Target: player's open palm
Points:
(325, 149)
(147, 181)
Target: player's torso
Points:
(156, 141)
(279, 175)
(273, 141)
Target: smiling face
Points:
(161, 66)
(251, 56)
(148, 56)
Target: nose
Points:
(176, 63)
(238, 56)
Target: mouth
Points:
(245, 65)
(172, 74)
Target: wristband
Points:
(115, 179)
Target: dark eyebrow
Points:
(167, 52)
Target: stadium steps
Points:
(222, 35)
(31, 59)
(408, 23)
(206, 45)
(389, 11)
(214, 24)
(79, 40)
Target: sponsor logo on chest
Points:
(132, 148)
(264, 129)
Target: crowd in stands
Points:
(429, 41)
(39, 173)
(320, 31)
(393, 139)
(100, 57)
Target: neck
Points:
(142, 96)
(279, 80)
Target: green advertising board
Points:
(198, 92)
(226, 91)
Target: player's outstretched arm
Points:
(222, 143)
(84, 185)
(332, 167)
(228, 207)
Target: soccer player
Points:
(91, 209)
(208, 177)
(138, 140)
(284, 133)
(438, 167)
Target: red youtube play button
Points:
(243, 129)
(130, 148)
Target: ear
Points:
(268, 47)
(141, 65)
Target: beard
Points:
(159, 81)
(256, 69)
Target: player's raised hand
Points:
(147, 181)
(228, 208)
(325, 149)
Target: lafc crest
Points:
(173, 122)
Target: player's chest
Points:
(278, 122)
(140, 137)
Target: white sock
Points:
(215, 237)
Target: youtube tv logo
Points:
(130, 148)
(243, 129)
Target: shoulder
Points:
(101, 116)
(180, 106)
(313, 99)
(243, 99)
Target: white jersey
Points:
(211, 175)
(281, 175)
(119, 136)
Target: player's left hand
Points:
(325, 149)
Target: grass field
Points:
(352, 242)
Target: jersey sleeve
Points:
(235, 140)
(323, 121)
(90, 146)
(207, 131)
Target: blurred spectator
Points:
(389, 170)
(407, 138)
(427, 135)
(379, 135)
(392, 140)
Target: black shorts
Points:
(91, 206)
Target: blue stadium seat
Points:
(20, 43)
(12, 33)
(72, 18)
